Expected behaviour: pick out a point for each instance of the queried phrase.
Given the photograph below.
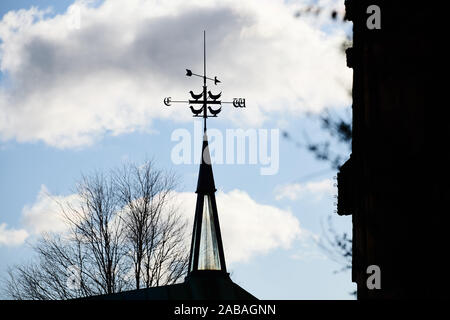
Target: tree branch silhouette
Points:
(124, 234)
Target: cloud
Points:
(248, 228)
(45, 215)
(314, 190)
(12, 237)
(307, 248)
(68, 87)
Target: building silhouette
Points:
(394, 185)
(207, 277)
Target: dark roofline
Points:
(199, 285)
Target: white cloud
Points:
(12, 237)
(248, 228)
(314, 190)
(307, 248)
(45, 215)
(67, 87)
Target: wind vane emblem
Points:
(206, 98)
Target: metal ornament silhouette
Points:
(205, 98)
(206, 253)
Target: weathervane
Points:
(202, 98)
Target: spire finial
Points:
(206, 246)
(204, 57)
(206, 99)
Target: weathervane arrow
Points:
(189, 73)
(202, 98)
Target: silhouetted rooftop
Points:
(200, 285)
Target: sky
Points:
(82, 85)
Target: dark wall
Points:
(396, 185)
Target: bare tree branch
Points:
(124, 234)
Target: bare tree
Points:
(153, 229)
(338, 126)
(334, 149)
(125, 233)
(337, 246)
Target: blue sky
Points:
(77, 98)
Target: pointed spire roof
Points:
(206, 246)
(205, 183)
(206, 255)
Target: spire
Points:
(206, 247)
(205, 183)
